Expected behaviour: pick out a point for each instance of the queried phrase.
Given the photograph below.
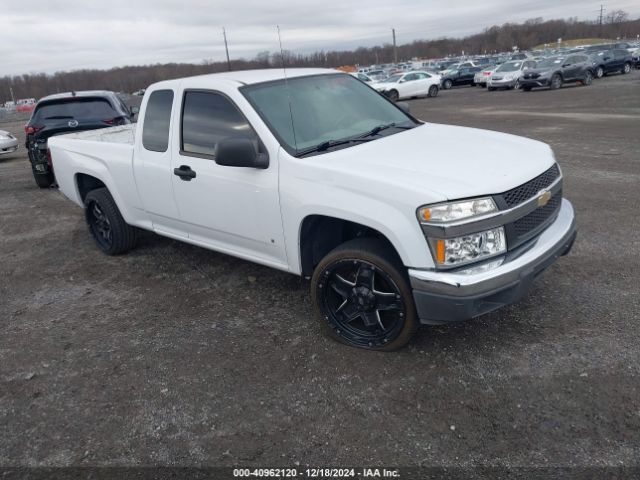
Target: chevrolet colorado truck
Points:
(312, 172)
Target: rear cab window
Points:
(157, 119)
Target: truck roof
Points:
(248, 77)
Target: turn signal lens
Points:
(449, 212)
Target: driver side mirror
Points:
(134, 110)
(240, 152)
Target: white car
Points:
(482, 77)
(408, 85)
(395, 221)
(8, 143)
(508, 74)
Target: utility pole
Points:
(395, 48)
(601, 15)
(226, 48)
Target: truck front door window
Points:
(209, 117)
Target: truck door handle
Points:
(185, 173)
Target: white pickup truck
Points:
(396, 222)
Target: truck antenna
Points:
(286, 85)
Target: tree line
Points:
(494, 39)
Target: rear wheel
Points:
(362, 296)
(556, 82)
(447, 84)
(44, 180)
(599, 72)
(112, 234)
(626, 68)
(588, 78)
(433, 91)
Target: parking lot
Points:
(174, 355)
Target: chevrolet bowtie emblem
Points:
(544, 198)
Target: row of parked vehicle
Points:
(526, 70)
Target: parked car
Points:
(317, 175)
(408, 85)
(377, 75)
(362, 76)
(508, 74)
(482, 77)
(553, 72)
(464, 76)
(610, 61)
(69, 112)
(8, 143)
(635, 58)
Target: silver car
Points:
(8, 143)
(508, 74)
(482, 77)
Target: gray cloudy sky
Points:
(52, 35)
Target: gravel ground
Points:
(174, 355)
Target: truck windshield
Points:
(308, 111)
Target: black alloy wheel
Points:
(363, 297)
(99, 225)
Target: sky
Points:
(55, 35)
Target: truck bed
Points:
(124, 134)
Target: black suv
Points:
(65, 113)
(610, 61)
(463, 76)
(553, 72)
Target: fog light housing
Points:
(470, 248)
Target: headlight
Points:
(449, 212)
(470, 248)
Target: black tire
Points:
(516, 86)
(394, 96)
(483, 85)
(588, 78)
(433, 91)
(599, 72)
(44, 180)
(447, 84)
(491, 89)
(109, 230)
(627, 68)
(555, 82)
(350, 284)
(526, 89)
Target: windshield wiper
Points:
(58, 117)
(321, 147)
(379, 128)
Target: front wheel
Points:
(588, 79)
(112, 234)
(626, 68)
(433, 91)
(394, 96)
(447, 84)
(362, 296)
(599, 72)
(556, 82)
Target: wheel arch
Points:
(319, 234)
(86, 183)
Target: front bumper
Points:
(502, 83)
(449, 296)
(534, 82)
(8, 146)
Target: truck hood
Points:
(434, 162)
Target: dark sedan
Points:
(553, 72)
(463, 76)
